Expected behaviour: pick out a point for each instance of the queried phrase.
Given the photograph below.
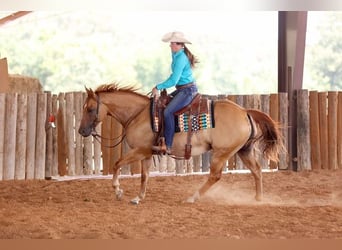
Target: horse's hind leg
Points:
(216, 166)
(249, 160)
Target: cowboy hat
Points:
(175, 37)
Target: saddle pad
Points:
(198, 122)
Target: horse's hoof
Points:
(193, 198)
(135, 201)
(119, 194)
(190, 200)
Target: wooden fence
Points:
(31, 148)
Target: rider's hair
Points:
(192, 58)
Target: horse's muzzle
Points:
(85, 132)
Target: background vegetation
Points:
(237, 51)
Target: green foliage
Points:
(70, 50)
(325, 57)
(151, 71)
(67, 50)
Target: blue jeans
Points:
(181, 98)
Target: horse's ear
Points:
(90, 92)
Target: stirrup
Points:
(159, 149)
(164, 151)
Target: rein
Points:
(98, 137)
(123, 135)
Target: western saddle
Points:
(198, 105)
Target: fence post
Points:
(31, 136)
(2, 131)
(163, 164)
(87, 157)
(314, 131)
(283, 119)
(189, 165)
(49, 138)
(61, 137)
(78, 108)
(155, 163)
(171, 165)
(323, 128)
(20, 152)
(10, 138)
(205, 161)
(332, 129)
(39, 171)
(180, 166)
(196, 163)
(86, 153)
(69, 107)
(339, 131)
(54, 166)
(303, 131)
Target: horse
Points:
(237, 131)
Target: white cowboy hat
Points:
(175, 37)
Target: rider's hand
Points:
(155, 93)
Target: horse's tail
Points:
(267, 134)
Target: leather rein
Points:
(98, 137)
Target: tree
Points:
(151, 70)
(325, 58)
(67, 50)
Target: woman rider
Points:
(183, 61)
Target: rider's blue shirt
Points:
(181, 71)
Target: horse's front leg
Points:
(116, 183)
(132, 156)
(145, 172)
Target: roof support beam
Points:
(291, 51)
(13, 16)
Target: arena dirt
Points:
(305, 205)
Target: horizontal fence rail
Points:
(39, 138)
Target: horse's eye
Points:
(90, 110)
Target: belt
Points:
(178, 87)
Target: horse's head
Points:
(92, 113)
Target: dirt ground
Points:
(305, 205)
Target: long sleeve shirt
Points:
(181, 71)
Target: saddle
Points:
(198, 105)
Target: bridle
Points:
(97, 137)
(123, 134)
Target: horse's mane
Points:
(113, 87)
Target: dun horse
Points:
(236, 130)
